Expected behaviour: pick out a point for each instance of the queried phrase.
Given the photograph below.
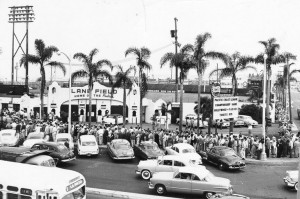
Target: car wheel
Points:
(221, 166)
(296, 186)
(146, 175)
(208, 195)
(160, 189)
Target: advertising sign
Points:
(225, 107)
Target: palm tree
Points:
(201, 57)
(183, 61)
(43, 58)
(123, 80)
(235, 63)
(142, 55)
(92, 70)
(273, 57)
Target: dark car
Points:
(147, 150)
(120, 149)
(224, 157)
(59, 152)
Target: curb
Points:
(121, 194)
(273, 163)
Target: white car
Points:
(87, 145)
(189, 118)
(113, 119)
(167, 163)
(291, 179)
(221, 123)
(65, 137)
(9, 137)
(247, 120)
(185, 150)
(35, 137)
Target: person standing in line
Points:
(296, 147)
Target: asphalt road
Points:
(256, 181)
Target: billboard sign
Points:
(225, 107)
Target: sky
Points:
(112, 26)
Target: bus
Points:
(25, 181)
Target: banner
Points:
(225, 107)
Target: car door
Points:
(164, 166)
(199, 186)
(211, 155)
(181, 183)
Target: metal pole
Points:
(70, 117)
(26, 64)
(176, 69)
(13, 49)
(289, 90)
(263, 155)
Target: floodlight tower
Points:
(20, 14)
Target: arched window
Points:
(81, 112)
(53, 90)
(106, 112)
(53, 110)
(133, 113)
(99, 112)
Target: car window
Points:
(176, 149)
(186, 176)
(178, 164)
(191, 150)
(177, 175)
(195, 177)
(36, 146)
(167, 162)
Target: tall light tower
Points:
(20, 14)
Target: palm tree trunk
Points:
(124, 104)
(181, 105)
(43, 82)
(268, 93)
(141, 98)
(90, 106)
(289, 91)
(199, 100)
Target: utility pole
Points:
(20, 14)
(174, 34)
(17, 67)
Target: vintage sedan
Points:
(9, 137)
(87, 145)
(224, 157)
(120, 149)
(147, 150)
(167, 163)
(62, 138)
(191, 180)
(35, 137)
(239, 123)
(291, 179)
(248, 120)
(59, 152)
(186, 150)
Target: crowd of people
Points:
(245, 144)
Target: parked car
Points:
(87, 145)
(247, 120)
(113, 119)
(59, 152)
(62, 138)
(9, 137)
(192, 118)
(147, 150)
(186, 150)
(239, 123)
(224, 157)
(120, 149)
(291, 179)
(222, 123)
(190, 180)
(167, 163)
(35, 137)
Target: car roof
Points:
(201, 172)
(48, 143)
(176, 157)
(87, 138)
(148, 143)
(7, 131)
(183, 145)
(119, 141)
(63, 135)
(221, 147)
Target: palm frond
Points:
(187, 48)
(293, 72)
(92, 54)
(79, 74)
(133, 50)
(167, 58)
(289, 56)
(31, 59)
(104, 62)
(59, 65)
(278, 59)
(217, 55)
(144, 65)
(145, 53)
(81, 57)
(104, 73)
(259, 59)
(39, 47)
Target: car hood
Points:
(224, 182)
(89, 148)
(232, 159)
(30, 142)
(293, 174)
(143, 163)
(153, 153)
(124, 152)
(163, 175)
(8, 140)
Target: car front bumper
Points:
(68, 159)
(288, 182)
(124, 158)
(89, 153)
(237, 166)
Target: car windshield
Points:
(209, 176)
(151, 147)
(188, 150)
(62, 140)
(122, 146)
(88, 143)
(7, 134)
(36, 136)
(111, 116)
(228, 152)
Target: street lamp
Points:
(263, 155)
(69, 114)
